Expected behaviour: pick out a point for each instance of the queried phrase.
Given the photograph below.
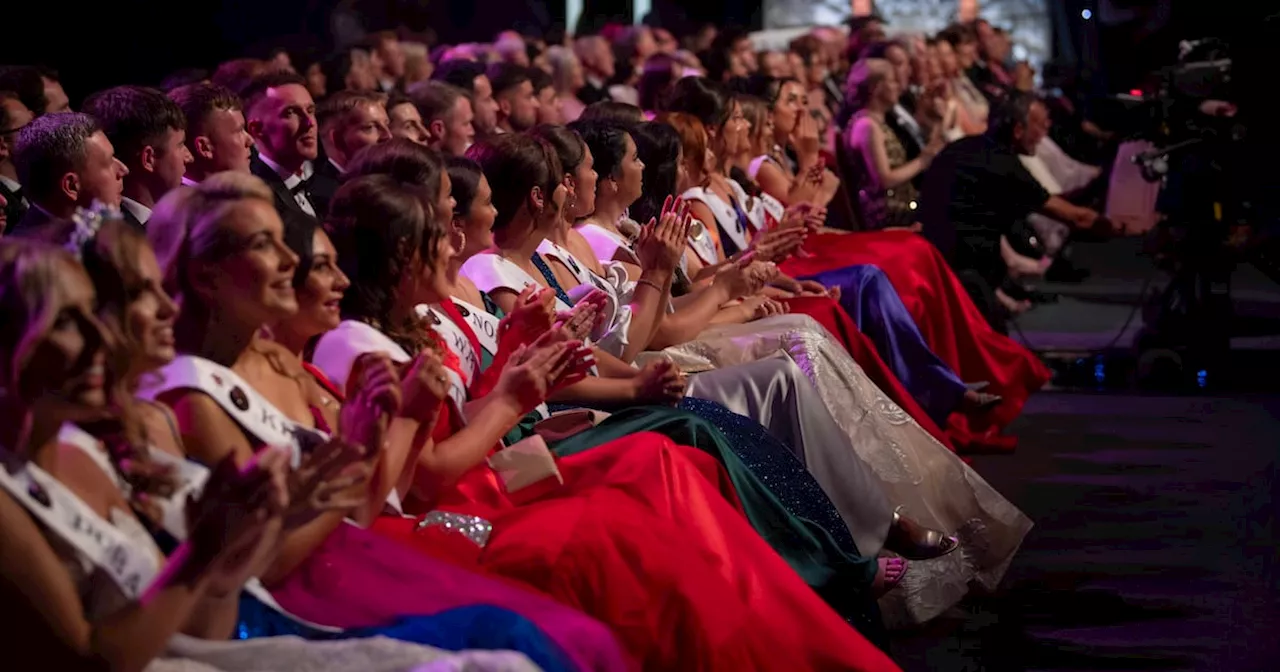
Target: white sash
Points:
(458, 342)
(605, 243)
(238, 399)
(59, 510)
(485, 326)
(726, 216)
(702, 244)
(768, 206)
(491, 272)
(483, 323)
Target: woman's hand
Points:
(537, 370)
(424, 384)
(759, 307)
(583, 319)
(532, 316)
(806, 215)
(663, 240)
(804, 138)
(744, 277)
(777, 245)
(237, 517)
(329, 478)
(659, 382)
(373, 397)
(815, 288)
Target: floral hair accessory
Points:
(88, 222)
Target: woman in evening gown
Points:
(329, 571)
(191, 593)
(918, 472)
(614, 536)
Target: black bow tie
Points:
(300, 187)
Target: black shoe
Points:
(1063, 270)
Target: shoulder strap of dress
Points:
(753, 168)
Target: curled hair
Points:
(186, 227)
(110, 258)
(520, 163)
(658, 145)
(570, 148)
(383, 227)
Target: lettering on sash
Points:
(483, 323)
(131, 566)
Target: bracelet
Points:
(651, 283)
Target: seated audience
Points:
(216, 135)
(65, 161)
(14, 116)
(280, 116)
(148, 132)
(447, 115)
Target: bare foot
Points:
(888, 575)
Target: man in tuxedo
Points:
(447, 114)
(148, 132)
(281, 118)
(216, 133)
(470, 77)
(517, 101)
(14, 116)
(65, 161)
(349, 122)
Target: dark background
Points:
(140, 41)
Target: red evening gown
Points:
(946, 317)
(649, 538)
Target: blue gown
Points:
(476, 627)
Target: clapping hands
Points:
(662, 241)
(537, 371)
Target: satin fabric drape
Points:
(947, 318)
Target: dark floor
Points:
(1155, 546)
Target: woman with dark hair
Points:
(223, 258)
(613, 111)
(617, 538)
(140, 316)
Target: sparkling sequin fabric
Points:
(936, 488)
(472, 527)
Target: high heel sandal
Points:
(913, 541)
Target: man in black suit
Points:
(13, 117)
(148, 132)
(281, 117)
(65, 161)
(216, 133)
(349, 122)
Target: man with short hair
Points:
(281, 117)
(148, 132)
(406, 121)
(65, 161)
(447, 115)
(470, 77)
(387, 55)
(349, 121)
(598, 67)
(216, 133)
(14, 116)
(55, 97)
(517, 101)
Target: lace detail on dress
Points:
(936, 488)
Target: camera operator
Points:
(978, 191)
